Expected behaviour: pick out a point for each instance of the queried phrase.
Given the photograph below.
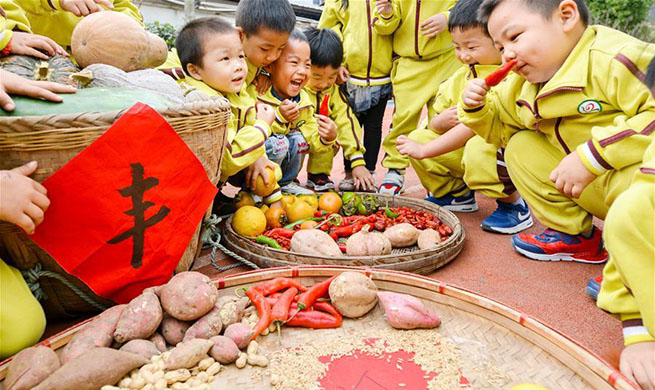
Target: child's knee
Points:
(277, 148)
(297, 144)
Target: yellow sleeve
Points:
(623, 143)
(330, 18)
(5, 35)
(349, 130)
(128, 8)
(387, 24)
(40, 7)
(246, 148)
(447, 96)
(15, 17)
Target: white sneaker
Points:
(392, 184)
(296, 189)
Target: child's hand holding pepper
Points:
(571, 176)
(289, 110)
(327, 129)
(474, 93)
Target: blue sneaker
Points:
(508, 219)
(462, 204)
(593, 287)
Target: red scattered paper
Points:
(124, 210)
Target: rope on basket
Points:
(32, 276)
(212, 237)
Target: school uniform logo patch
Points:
(589, 107)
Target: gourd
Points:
(115, 39)
(57, 69)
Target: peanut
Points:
(241, 361)
(205, 363)
(148, 376)
(148, 367)
(137, 382)
(148, 386)
(253, 317)
(161, 384)
(177, 376)
(252, 347)
(193, 382)
(195, 371)
(272, 328)
(158, 375)
(108, 387)
(179, 386)
(202, 376)
(134, 373)
(125, 382)
(257, 360)
(213, 369)
(265, 332)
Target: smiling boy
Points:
(578, 89)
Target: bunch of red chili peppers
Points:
(420, 219)
(290, 308)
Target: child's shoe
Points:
(462, 204)
(320, 182)
(223, 205)
(294, 188)
(552, 245)
(347, 184)
(392, 184)
(593, 287)
(508, 218)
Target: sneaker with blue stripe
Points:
(508, 218)
(463, 204)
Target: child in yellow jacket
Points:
(427, 58)
(450, 160)
(578, 92)
(629, 276)
(16, 36)
(366, 72)
(296, 131)
(211, 54)
(326, 55)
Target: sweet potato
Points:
(231, 309)
(188, 296)
(366, 243)
(224, 351)
(173, 329)
(428, 238)
(314, 242)
(402, 235)
(207, 326)
(92, 370)
(97, 333)
(240, 334)
(188, 354)
(145, 348)
(159, 342)
(30, 367)
(404, 311)
(353, 294)
(140, 319)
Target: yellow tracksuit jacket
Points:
(423, 65)
(306, 123)
(48, 19)
(12, 18)
(246, 135)
(595, 105)
(349, 135)
(367, 54)
(627, 289)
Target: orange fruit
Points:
(299, 210)
(310, 200)
(244, 198)
(308, 225)
(330, 202)
(275, 217)
(249, 221)
(262, 189)
(287, 200)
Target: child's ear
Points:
(241, 35)
(568, 14)
(192, 70)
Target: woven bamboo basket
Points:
(497, 346)
(401, 259)
(53, 140)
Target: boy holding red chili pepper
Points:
(450, 160)
(578, 90)
(327, 55)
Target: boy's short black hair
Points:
(298, 35)
(464, 16)
(544, 7)
(326, 47)
(190, 41)
(650, 76)
(276, 15)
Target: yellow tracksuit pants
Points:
(531, 158)
(318, 163)
(415, 84)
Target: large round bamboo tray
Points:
(53, 140)
(498, 346)
(401, 259)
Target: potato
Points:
(188, 354)
(207, 326)
(188, 296)
(353, 294)
(240, 334)
(159, 342)
(30, 367)
(231, 309)
(92, 370)
(145, 348)
(402, 235)
(404, 311)
(97, 333)
(173, 329)
(368, 244)
(225, 350)
(315, 242)
(428, 238)
(140, 319)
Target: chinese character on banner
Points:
(124, 210)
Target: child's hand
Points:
(571, 176)
(434, 25)
(265, 113)
(409, 148)
(343, 75)
(14, 84)
(289, 110)
(474, 93)
(24, 201)
(262, 83)
(383, 7)
(445, 120)
(27, 44)
(84, 7)
(327, 129)
(258, 168)
(637, 364)
(363, 179)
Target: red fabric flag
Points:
(124, 210)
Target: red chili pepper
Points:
(282, 232)
(325, 110)
(322, 214)
(342, 247)
(276, 285)
(263, 310)
(315, 320)
(325, 227)
(310, 296)
(280, 311)
(497, 76)
(333, 236)
(328, 308)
